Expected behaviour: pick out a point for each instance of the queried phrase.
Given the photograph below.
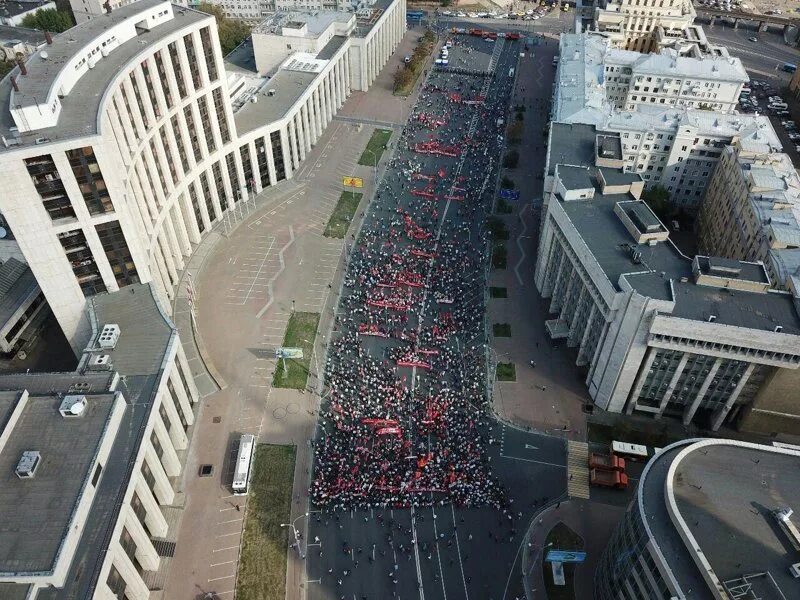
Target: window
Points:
(117, 253)
(222, 116)
(208, 52)
(90, 180)
(47, 181)
(277, 155)
(96, 476)
(191, 56)
(178, 69)
(82, 262)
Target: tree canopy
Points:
(657, 198)
(49, 19)
(231, 32)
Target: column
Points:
(301, 135)
(720, 415)
(175, 217)
(175, 428)
(135, 587)
(310, 138)
(650, 355)
(163, 488)
(589, 324)
(318, 112)
(287, 157)
(673, 383)
(688, 414)
(182, 399)
(169, 458)
(145, 552)
(180, 361)
(154, 518)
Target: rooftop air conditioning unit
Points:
(28, 463)
(109, 336)
(100, 362)
(73, 405)
(795, 570)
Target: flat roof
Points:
(571, 144)
(289, 86)
(315, 21)
(80, 108)
(725, 492)
(12, 9)
(10, 33)
(139, 358)
(35, 513)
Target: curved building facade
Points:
(123, 148)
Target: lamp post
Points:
(296, 535)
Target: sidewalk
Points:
(550, 396)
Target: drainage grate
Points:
(164, 548)
(217, 420)
(206, 470)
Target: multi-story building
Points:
(710, 519)
(84, 10)
(13, 13)
(16, 41)
(89, 459)
(631, 24)
(124, 145)
(751, 211)
(703, 339)
(254, 11)
(665, 139)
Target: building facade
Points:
(681, 536)
(124, 145)
(86, 523)
(667, 139)
(751, 211)
(631, 24)
(702, 340)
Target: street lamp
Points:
(374, 164)
(296, 535)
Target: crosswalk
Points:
(577, 469)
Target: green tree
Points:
(5, 68)
(49, 19)
(403, 78)
(231, 31)
(657, 198)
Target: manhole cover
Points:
(206, 470)
(217, 419)
(588, 409)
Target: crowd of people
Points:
(405, 417)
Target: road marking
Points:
(538, 462)
(458, 549)
(223, 577)
(229, 534)
(415, 541)
(529, 447)
(227, 562)
(228, 548)
(439, 554)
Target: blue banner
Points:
(565, 556)
(509, 194)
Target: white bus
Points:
(244, 464)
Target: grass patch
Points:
(562, 538)
(499, 257)
(375, 147)
(300, 333)
(504, 206)
(262, 566)
(498, 292)
(506, 372)
(502, 330)
(497, 229)
(342, 215)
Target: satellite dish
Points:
(44, 54)
(77, 409)
(3, 233)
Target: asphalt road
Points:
(435, 549)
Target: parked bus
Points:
(244, 464)
(626, 449)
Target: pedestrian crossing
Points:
(577, 469)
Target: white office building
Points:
(705, 340)
(90, 459)
(667, 138)
(631, 24)
(128, 139)
(751, 211)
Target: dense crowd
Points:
(405, 417)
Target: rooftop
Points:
(139, 358)
(12, 9)
(725, 492)
(22, 34)
(316, 22)
(80, 108)
(36, 513)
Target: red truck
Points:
(606, 462)
(612, 479)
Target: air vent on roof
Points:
(73, 405)
(795, 570)
(778, 328)
(712, 318)
(28, 463)
(109, 336)
(100, 362)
